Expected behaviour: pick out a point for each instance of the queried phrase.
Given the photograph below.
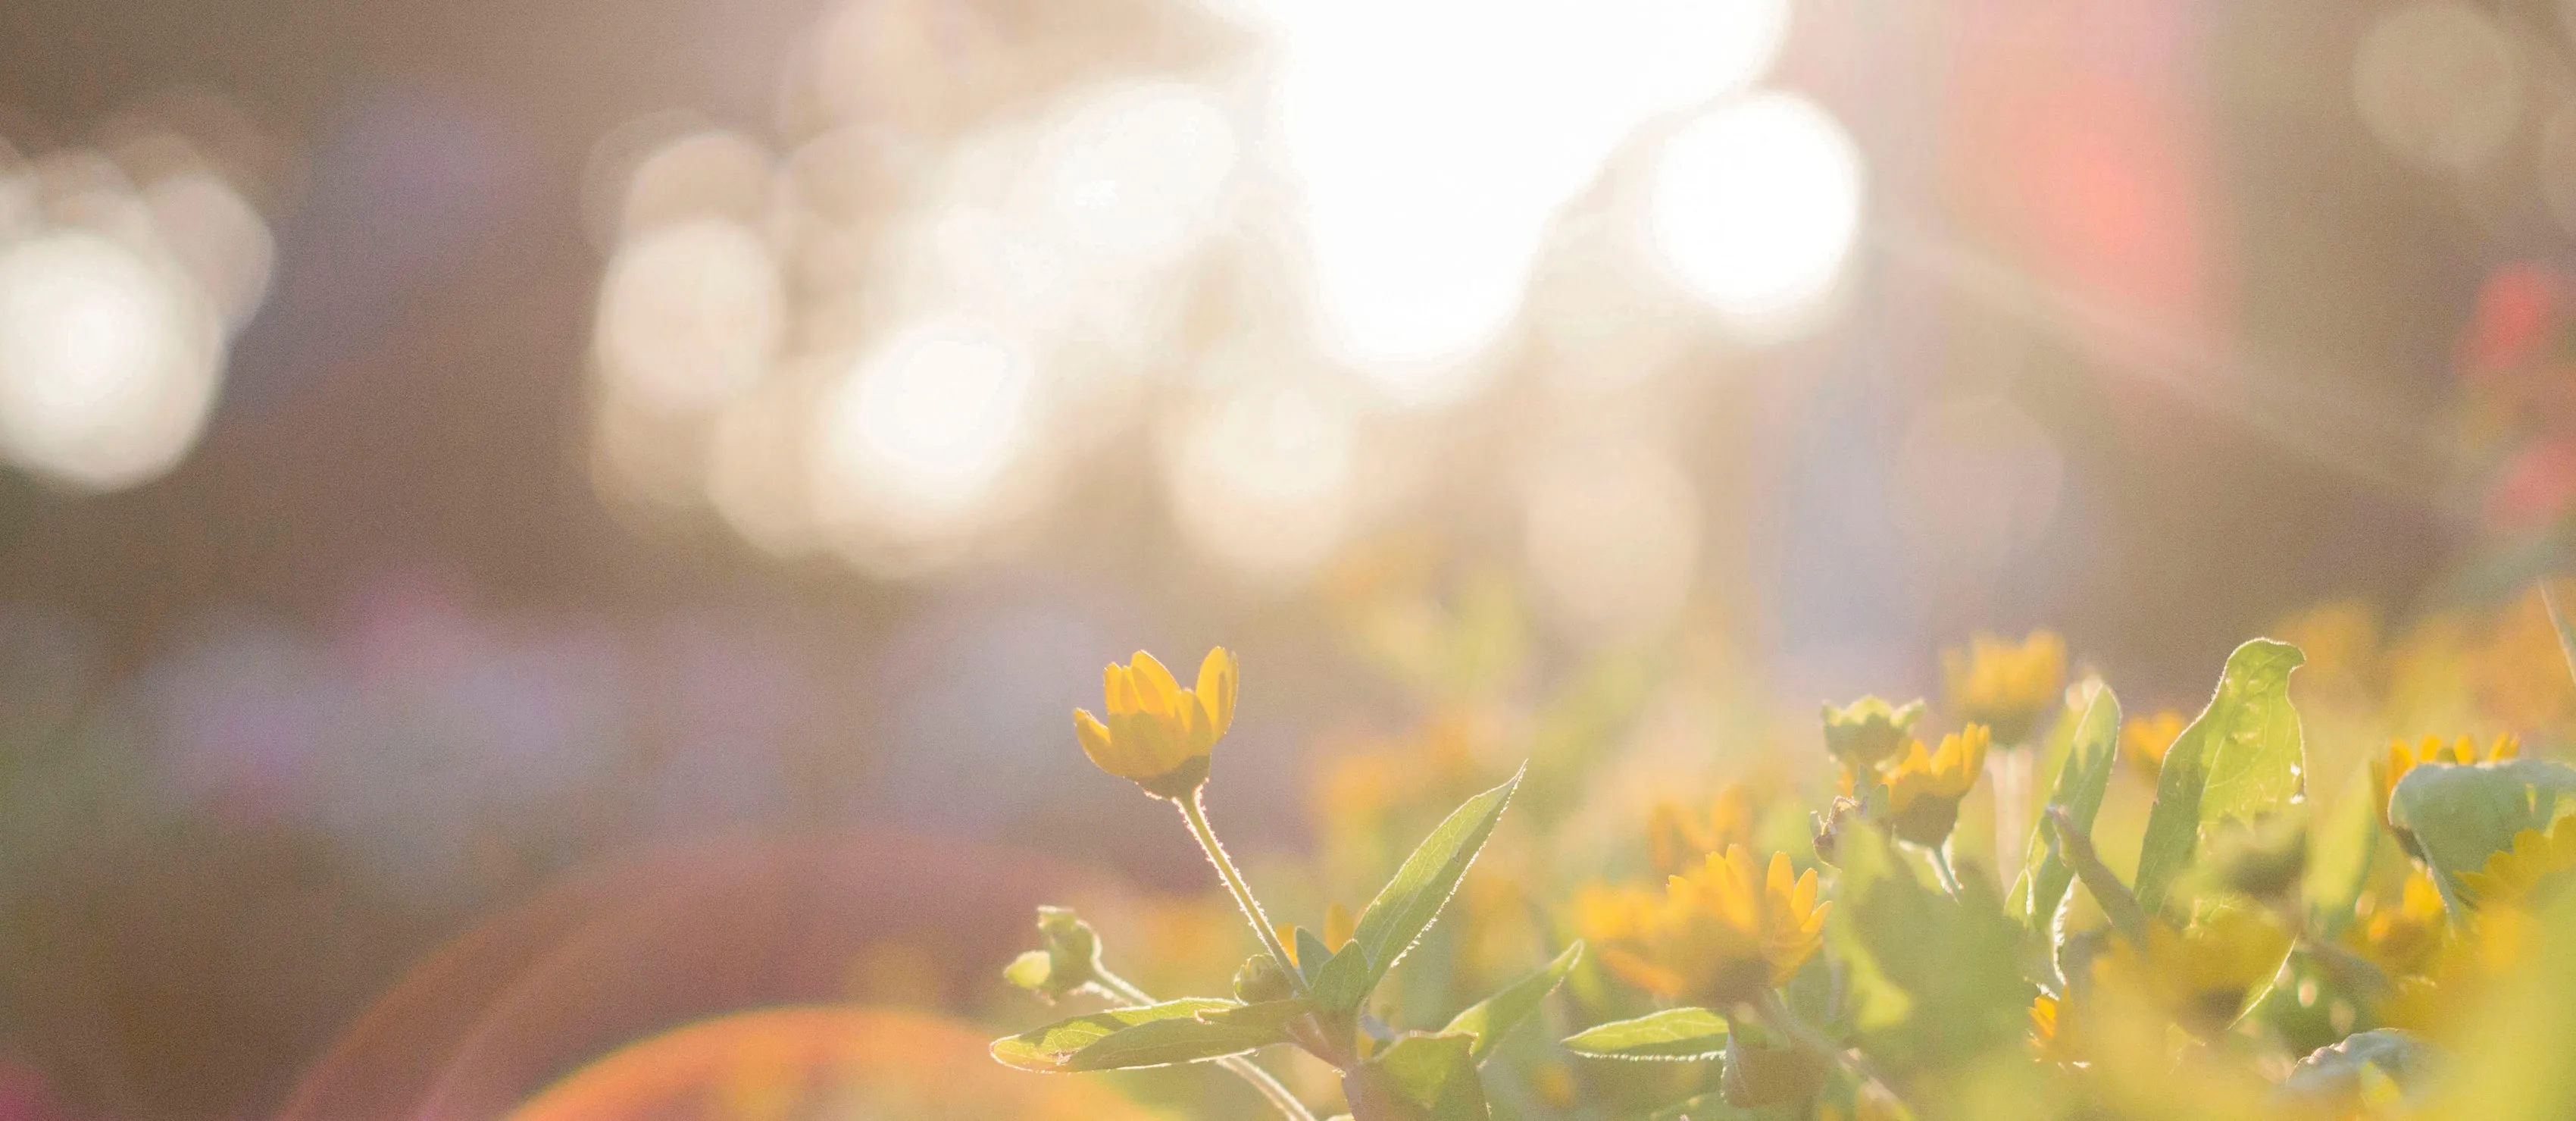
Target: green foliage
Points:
(1953, 964)
(1175, 1031)
(2083, 775)
(1426, 1077)
(2337, 1074)
(2339, 858)
(2243, 756)
(2463, 813)
(1491, 1018)
(1413, 898)
(1670, 1035)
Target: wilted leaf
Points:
(2463, 813)
(2242, 756)
(1672, 1034)
(1491, 1018)
(2082, 777)
(1408, 903)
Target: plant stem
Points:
(2118, 905)
(1194, 811)
(1941, 869)
(1242, 1065)
(1777, 1013)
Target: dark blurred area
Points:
(462, 538)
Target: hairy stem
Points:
(1241, 1065)
(1194, 811)
(1941, 869)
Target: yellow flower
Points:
(1924, 787)
(1869, 731)
(2513, 875)
(1719, 934)
(2144, 740)
(2400, 939)
(2200, 976)
(2050, 1041)
(2385, 772)
(1158, 734)
(1679, 837)
(2004, 686)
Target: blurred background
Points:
(506, 499)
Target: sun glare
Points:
(1757, 204)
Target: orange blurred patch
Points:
(782, 1064)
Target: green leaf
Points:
(1954, 964)
(2463, 813)
(1671, 1035)
(2081, 780)
(1491, 1018)
(1408, 903)
(1057, 1044)
(2241, 757)
(1345, 976)
(2339, 859)
(1422, 1077)
(2335, 1075)
(1312, 953)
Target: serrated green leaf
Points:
(2082, 778)
(1671, 1035)
(1493, 1017)
(1166, 1042)
(2241, 757)
(2464, 813)
(1051, 1048)
(1424, 1077)
(1413, 898)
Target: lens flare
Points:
(109, 360)
(1434, 139)
(690, 314)
(1756, 208)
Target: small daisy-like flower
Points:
(1158, 734)
(2515, 874)
(2008, 687)
(2402, 757)
(1869, 731)
(2144, 740)
(1924, 787)
(2201, 976)
(1679, 837)
(1719, 935)
(2399, 937)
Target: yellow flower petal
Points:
(1216, 686)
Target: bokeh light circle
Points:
(1756, 207)
(1263, 481)
(2439, 83)
(109, 359)
(1611, 531)
(690, 314)
(925, 427)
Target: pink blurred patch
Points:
(2535, 488)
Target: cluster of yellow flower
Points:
(2209, 941)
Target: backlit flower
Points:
(2399, 937)
(2401, 758)
(2201, 976)
(1869, 731)
(1718, 935)
(1924, 787)
(2006, 686)
(2050, 1041)
(2515, 874)
(2144, 740)
(1158, 734)
(1679, 837)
